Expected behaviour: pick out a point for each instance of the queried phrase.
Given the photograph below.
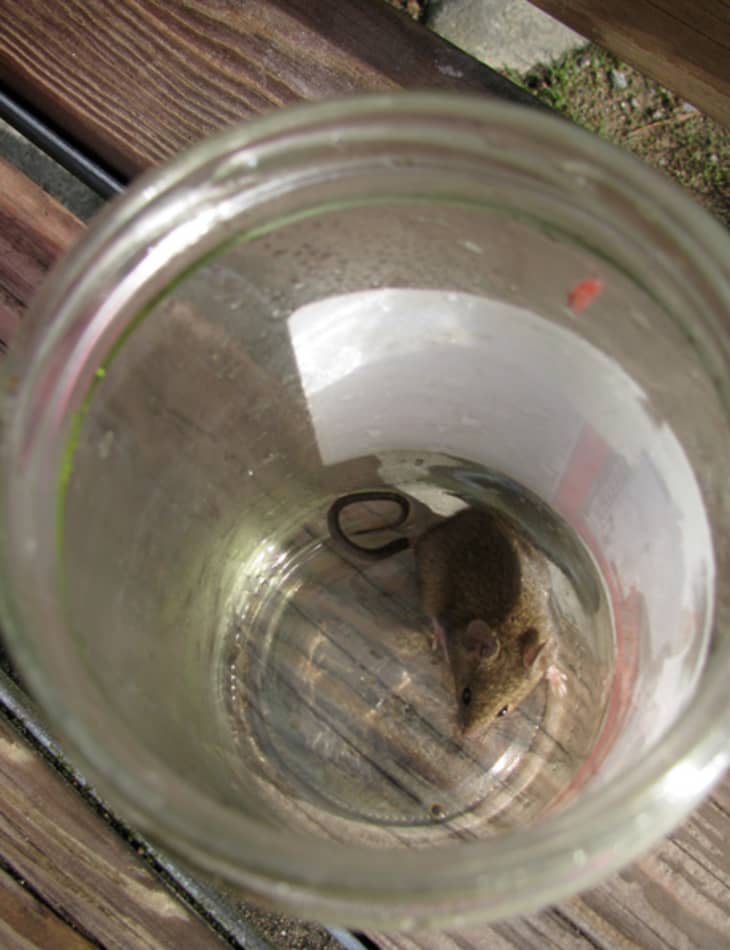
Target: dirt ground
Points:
(599, 92)
(610, 98)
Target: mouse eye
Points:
(503, 711)
(466, 696)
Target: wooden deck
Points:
(136, 82)
(132, 83)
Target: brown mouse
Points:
(486, 592)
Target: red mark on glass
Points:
(584, 293)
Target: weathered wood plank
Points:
(83, 869)
(137, 80)
(684, 44)
(26, 922)
(677, 897)
(34, 229)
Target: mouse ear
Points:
(481, 639)
(531, 646)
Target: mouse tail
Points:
(384, 550)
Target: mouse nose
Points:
(470, 717)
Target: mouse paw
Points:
(557, 680)
(439, 638)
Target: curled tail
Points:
(373, 554)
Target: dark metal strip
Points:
(41, 133)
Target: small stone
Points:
(688, 107)
(634, 102)
(618, 79)
(713, 159)
(657, 114)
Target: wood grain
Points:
(684, 44)
(84, 870)
(677, 897)
(26, 922)
(137, 80)
(34, 229)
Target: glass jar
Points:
(472, 304)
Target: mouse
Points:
(486, 593)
